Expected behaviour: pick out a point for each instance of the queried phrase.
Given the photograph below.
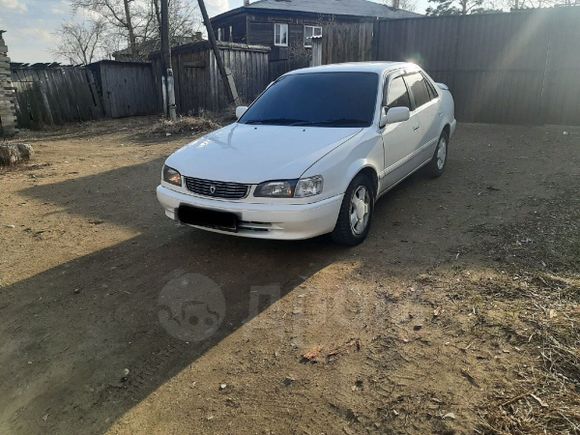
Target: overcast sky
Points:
(30, 25)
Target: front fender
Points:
(359, 165)
(339, 167)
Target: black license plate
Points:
(208, 218)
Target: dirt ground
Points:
(459, 314)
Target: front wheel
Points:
(356, 211)
(437, 164)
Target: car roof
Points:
(374, 67)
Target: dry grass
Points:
(542, 394)
(185, 125)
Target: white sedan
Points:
(312, 154)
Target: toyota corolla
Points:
(313, 153)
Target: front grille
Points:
(216, 189)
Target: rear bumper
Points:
(263, 221)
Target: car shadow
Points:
(85, 341)
(68, 334)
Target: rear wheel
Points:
(356, 211)
(437, 165)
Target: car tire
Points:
(436, 166)
(356, 212)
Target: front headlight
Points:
(290, 188)
(276, 189)
(308, 187)
(171, 176)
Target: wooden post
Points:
(226, 74)
(316, 51)
(168, 70)
(130, 29)
(164, 94)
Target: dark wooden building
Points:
(287, 25)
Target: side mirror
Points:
(394, 115)
(240, 110)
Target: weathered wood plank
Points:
(54, 95)
(199, 86)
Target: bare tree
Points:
(125, 15)
(407, 5)
(80, 43)
(184, 19)
(138, 21)
(534, 4)
(461, 7)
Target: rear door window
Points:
(432, 91)
(418, 88)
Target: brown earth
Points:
(458, 314)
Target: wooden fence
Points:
(198, 84)
(48, 95)
(280, 67)
(126, 88)
(351, 42)
(519, 67)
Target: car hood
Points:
(253, 154)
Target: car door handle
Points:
(415, 128)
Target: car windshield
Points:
(341, 99)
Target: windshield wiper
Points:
(342, 122)
(276, 121)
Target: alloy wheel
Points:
(360, 206)
(441, 153)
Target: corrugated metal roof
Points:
(359, 8)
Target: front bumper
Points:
(262, 221)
